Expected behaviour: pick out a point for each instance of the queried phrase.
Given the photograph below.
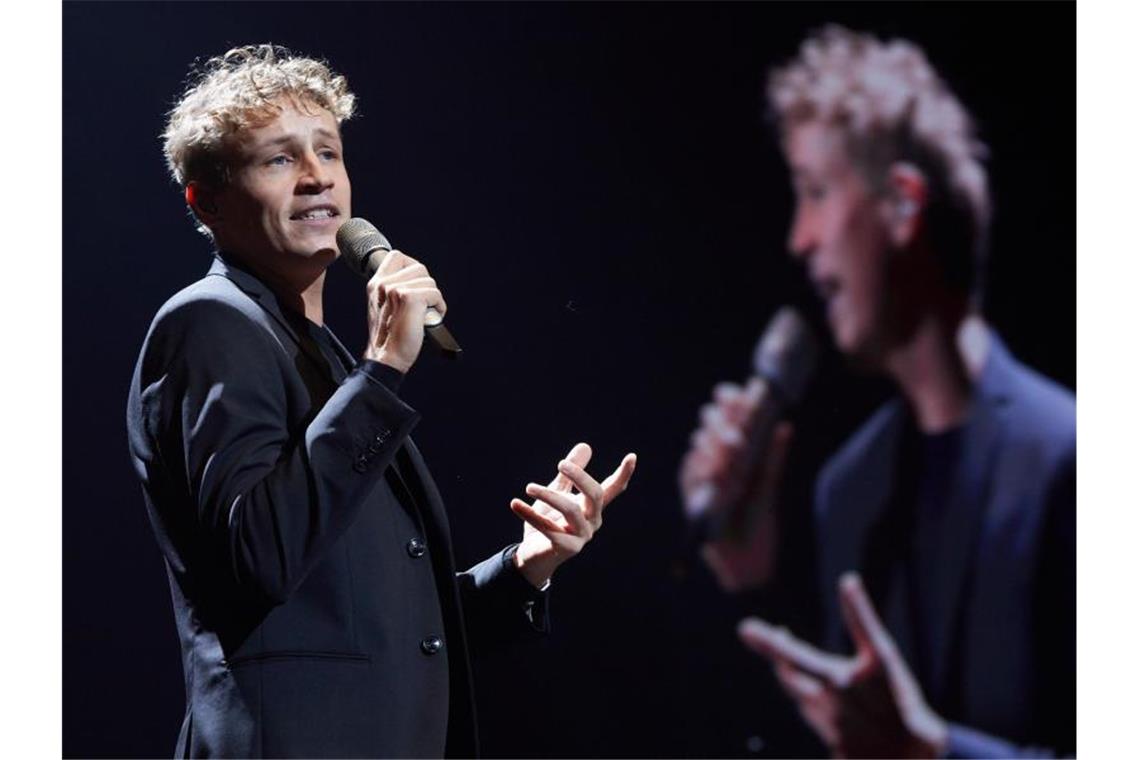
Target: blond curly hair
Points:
(892, 106)
(241, 89)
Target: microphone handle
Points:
(434, 329)
(742, 516)
(442, 339)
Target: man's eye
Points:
(278, 161)
(329, 154)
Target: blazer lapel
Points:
(349, 359)
(863, 528)
(884, 539)
(965, 511)
(259, 292)
(427, 494)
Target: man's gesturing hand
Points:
(399, 295)
(566, 513)
(868, 705)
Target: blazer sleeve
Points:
(500, 605)
(210, 435)
(967, 743)
(1054, 695)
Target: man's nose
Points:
(801, 237)
(315, 176)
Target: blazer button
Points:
(416, 548)
(360, 465)
(431, 645)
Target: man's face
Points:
(840, 234)
(288, 192)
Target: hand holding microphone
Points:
(730, 475)
(404, 302)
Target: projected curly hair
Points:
(892, 106)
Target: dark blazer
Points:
(1006, 601)
(307, 547)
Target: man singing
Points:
(307, 547)
(955, 502)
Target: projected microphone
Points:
(363, 248)
(784, 360)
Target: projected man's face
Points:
(839, 232)
(289, 191)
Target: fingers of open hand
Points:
(590, 489)
(815, 700)
(563, 541)
(779, 644)
(580, 455)
(876, 648)
(537, 520)
(863, 622)
(576, 522)
(799, 685)
(618, 480)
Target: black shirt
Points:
(937, 458)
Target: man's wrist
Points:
(388, 358)
(537, 570)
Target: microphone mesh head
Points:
(786, 354)
(357, 239)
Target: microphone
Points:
(784, 360)
(359, 242)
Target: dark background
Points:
(596, 191)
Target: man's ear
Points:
(203, 199)
(906, 202)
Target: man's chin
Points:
(861, 351)
(325, 251)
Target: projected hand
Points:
(867, 705)
(718, 476)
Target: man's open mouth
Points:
(826, 288)
(316, 212)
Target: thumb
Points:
(874, 644)
(867, 631)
